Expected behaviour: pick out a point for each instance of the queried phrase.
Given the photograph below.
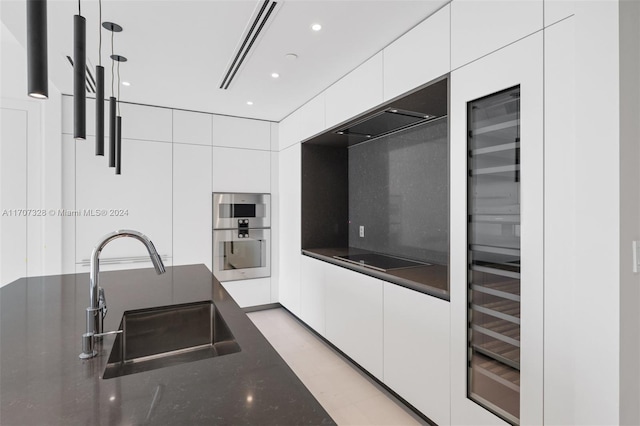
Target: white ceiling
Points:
(178, 50)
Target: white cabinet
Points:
(145, 122)
(419, 56)
(312, 289)
(354, 316)
(355, 93)
(250, 292)
(289, 222)
(479, 27)
(192, 204)
(303, 123)
(519, 64)
(192, 127)
(241, 170)
(555, 10)
(140, 199)
(234, 132)
(416, 350)
(13, 194)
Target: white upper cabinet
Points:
(192, 127)
(145, 122)
(241, 170)
(306, 121)
(479, 27)
(236, 132)
(355, 93)
(192, 204)
(416, 350)
(419, 56)
(555, 10)
(354, 316)
(140, 199)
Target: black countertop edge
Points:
(412, 285)
(43, 382)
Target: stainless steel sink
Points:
(168, 335)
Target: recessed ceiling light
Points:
(316, 27)
(275, 75)
(291, 56)
(249, 103)
(126, 83)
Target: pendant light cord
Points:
(100, 34)
(118, 87)
(112, 64)
(79, 11)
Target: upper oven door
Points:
(228, 209)
(241, 254)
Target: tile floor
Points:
(348, 395)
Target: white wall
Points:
(34, 153)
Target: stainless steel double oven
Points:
(241, 236)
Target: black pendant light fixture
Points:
(114, 28)
(100, 90)
(118, 147)
(37, 63)
(79, 76)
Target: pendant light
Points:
(79, 75)
(114, 28)
(37, 63)
(100, 90)
(118, 147)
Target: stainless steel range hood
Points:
(383, 123)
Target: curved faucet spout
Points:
(97, 305)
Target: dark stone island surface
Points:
(43, 382)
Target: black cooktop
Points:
(380, 262)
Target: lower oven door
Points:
(241, 254)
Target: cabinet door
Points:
(303, 123)
(289, 221)
(241, 170)
(416, 350)
(236, 132)
(139, 199)
(354, 93)
(192, 127)
(419, 56)
(479, 27)
(518, 65)
(312, 288)
(192, 204)
(354, 316)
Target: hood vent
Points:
(383, 123)
(249, 40)
(91, 82)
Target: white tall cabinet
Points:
(519, 64)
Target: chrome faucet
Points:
(97, 309)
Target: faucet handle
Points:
(102, 302)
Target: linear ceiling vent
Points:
(91, 82)
(248, 41)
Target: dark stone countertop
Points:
(42, 380)
(432, 279)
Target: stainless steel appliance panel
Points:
(241, 254)
(229, 208)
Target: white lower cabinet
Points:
(250, 292)
(416, 350)
(354, 316)
(312, 290)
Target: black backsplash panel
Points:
(325, 197)
(399, 191)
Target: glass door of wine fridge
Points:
(493, 136)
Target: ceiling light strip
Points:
(261, 18)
